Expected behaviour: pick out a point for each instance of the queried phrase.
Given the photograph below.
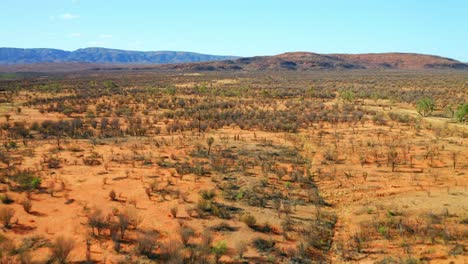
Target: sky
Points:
(240, 27)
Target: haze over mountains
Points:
(102, 55)
(44, 60)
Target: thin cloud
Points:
(96, 43)
(68, 16)
(75, 35)
(105, 36)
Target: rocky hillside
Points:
(302, 61)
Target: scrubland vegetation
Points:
(271, 167)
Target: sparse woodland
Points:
(210, 167)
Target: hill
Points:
(303, 61)
(101, 55)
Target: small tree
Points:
(425, 106)
(124, 222)
(392, 156)
(277, 206)
(454, 158)
(462, 113)
(210, 142)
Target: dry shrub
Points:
(185, 234)
(174, 210)
(173, 251)
(206, 238)
(61, 249)
(241, 247)
(112, 195)
(130, 217)
(27, 205)
(97, 220)
(249, 220)
(148, 192)
(135, 218)
(124, 222)
(146, 243)
(6, 214)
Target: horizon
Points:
(241, 28)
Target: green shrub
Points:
(219, 250)
(425, 106)
(26, 180)
(461, 113)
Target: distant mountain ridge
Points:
(102, 55)
(98, 59)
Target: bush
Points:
(174, 210)
(249, 220)
(264, 245)
(96, 220)
(27, 205)
(133, 216)
(61, 249)
(219, 250)
(6, 199)
(6, 214)
(461, 113)
(53, 163)
(185, 234)
(425, 106)
(204, 205)
(206, 238)
(220, 212)
(241, 247)
(208, 194)
(27, 180)
(146, 243)
(112, 195)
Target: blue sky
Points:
(240, 27)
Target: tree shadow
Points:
(22, 229)
(36, 213)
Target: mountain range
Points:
(102, 55)
(94, 59)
